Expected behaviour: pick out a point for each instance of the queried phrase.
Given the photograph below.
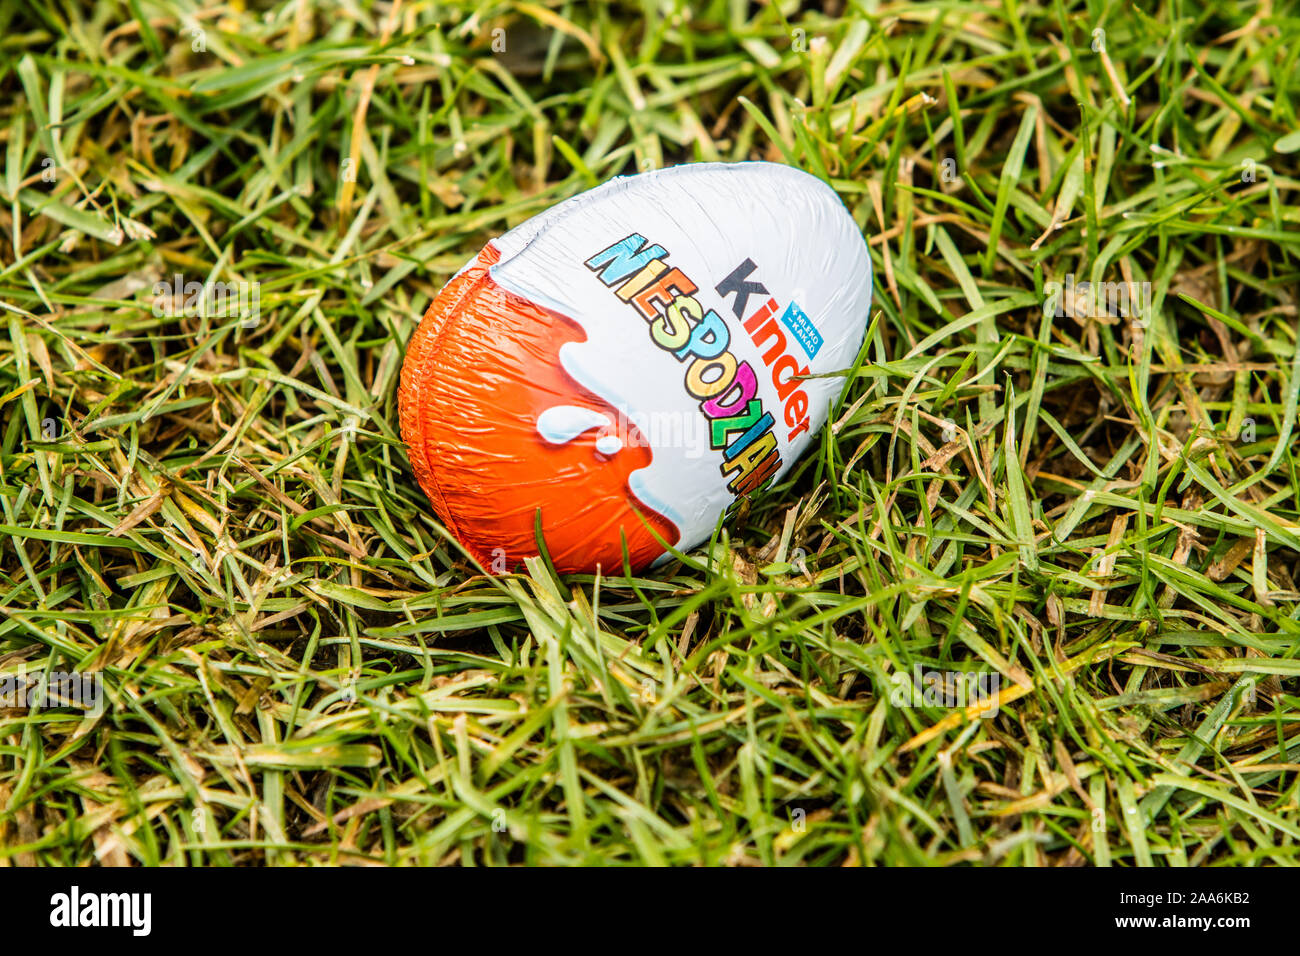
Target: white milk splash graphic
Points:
(564, 423)
(781, 227)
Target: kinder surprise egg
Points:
(629, 362)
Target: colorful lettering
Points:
(726, 388)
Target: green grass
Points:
(1102, 511)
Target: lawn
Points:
(1031, 598)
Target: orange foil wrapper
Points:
(622, 368)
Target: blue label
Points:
(802, 328)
